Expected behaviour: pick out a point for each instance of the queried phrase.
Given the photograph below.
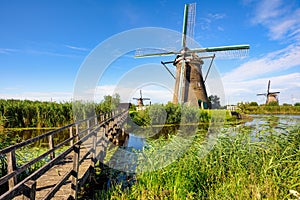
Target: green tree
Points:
(253, 103)
(157, 114)
(297, 104)
(215, 101)
(110, 103)
(286, 104)
(273, 103)
(173, 113)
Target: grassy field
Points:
(244, 164)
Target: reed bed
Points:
(244, 163)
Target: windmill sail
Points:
(221, 52)
(189, 81)
(191, 19)
(150, 52)
(234, 51)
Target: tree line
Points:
(271, 108)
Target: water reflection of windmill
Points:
(140, 101)
(189, 81)
(271, 96)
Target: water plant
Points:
(241, 165)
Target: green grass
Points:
(267, 109)
(243, 164)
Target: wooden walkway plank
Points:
(55, 182)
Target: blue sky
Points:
(43, 44)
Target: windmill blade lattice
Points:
(190, 27)
(150, 52)
(224, 52)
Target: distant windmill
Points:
(189, 81)
(140, 101)
(271, 96)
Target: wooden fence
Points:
(80, 132)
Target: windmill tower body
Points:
(140, 102)
(271, 98)
(193, 89)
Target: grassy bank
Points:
(253, 164)
(270, 109)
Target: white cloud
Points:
(205, 23)
(273, 62)
(246, 90)
(280, 18)
(7, 50)
(77, 48)
(266, 10)
(39, 96)
(282, 22)
(157, 94)
(216, 15)
(245, 81)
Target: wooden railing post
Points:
(96, 120)
(94, 141)
(11, 166)
(94, 159)
(74, 184)
(88, 126)
(94, 146)
(51, 146)
(77, 132)
(29, 192)
(71, 135)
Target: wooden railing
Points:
(107, 123)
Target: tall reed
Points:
(245, 163)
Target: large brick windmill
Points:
(271, 96)
(189, 80)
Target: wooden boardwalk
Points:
(67, 171)
(46, 183)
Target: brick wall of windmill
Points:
(194, 88)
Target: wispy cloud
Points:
(77, 48)
(49, 53)
(281, 19)
(245, 81)
(206, 22)
(216, 15)
(7, 50)
(40, 96)
(273, 62)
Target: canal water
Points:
(137, 140)
(273, 120)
